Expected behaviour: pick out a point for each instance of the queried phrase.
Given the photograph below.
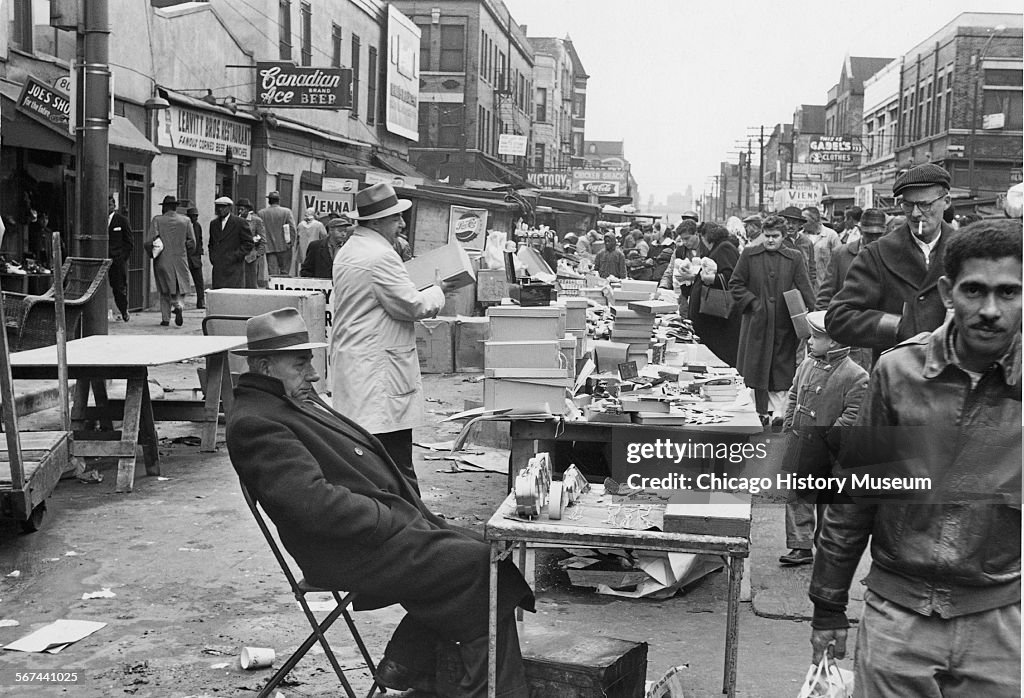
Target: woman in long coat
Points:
(766, 357)
(170, 267)
(720, 335)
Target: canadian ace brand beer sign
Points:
(283, 85)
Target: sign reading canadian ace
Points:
(284, 85)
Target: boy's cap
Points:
(816, 321)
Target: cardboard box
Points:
(567, 346)
(452, 262)
(523, 354)
(435, 345)
(797, 312)
(510, 323)
(633, 286)
(470, 335)
(708, 513)
(575, 313)
(653, 307)
(249, 302)
(526, 393)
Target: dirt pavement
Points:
(194, 580)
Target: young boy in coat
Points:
(825, 397)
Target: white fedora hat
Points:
(378, 201)
(278, 330)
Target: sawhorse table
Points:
(96, 359)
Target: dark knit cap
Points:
(872, 218)
(926, 175)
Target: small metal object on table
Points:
(505, 530)
(94, 360)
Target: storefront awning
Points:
(125, 136)
(398, 166)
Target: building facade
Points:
(879, 126)
(560, 85)
(960, 103)
(476, 84)
(844, 112)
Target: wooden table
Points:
(96, 359)
(530, 437)
(505, 533)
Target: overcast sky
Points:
(681, 80)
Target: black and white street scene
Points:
(511, 348)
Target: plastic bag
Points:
(156, 247)
(494, 251)
(827, 680)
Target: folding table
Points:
(95, 359)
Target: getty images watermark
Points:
(658, 456)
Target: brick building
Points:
(960, 102)
(476, 83)
(560, 94)
(844, 112)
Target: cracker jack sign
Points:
(287, 86)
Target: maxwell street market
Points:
(682, 364)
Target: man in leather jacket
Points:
(942, 416)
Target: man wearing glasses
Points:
(891, 291)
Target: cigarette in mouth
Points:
(920, 228)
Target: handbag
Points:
(716, 302)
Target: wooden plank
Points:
(172, 410)
(103, 449)
(29, 469)
(148, 438)
(129, 350)
(130, 429)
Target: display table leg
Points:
(216, 373)
(732, 625)
(129, 432)
(497, 550)
(148, 437)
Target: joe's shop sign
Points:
(284, 85)
(46, 104)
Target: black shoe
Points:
(777, 425)
(797, 556)
(125, 315)
(200, 306)
(177, 317)
(391, 674)
(164, 323)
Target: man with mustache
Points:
(942, 606)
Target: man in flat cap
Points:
(230, 242)
(796, 239)
(891, 292)
(320, 254)
(352, 520)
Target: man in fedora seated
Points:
(352, 520)
(373, 338)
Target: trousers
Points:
(901, 653)
(118, 278)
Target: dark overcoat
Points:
(838, 267)
(766, 357)
(230, 241)
(720, 335)
(888, 294)
(119, 237)
(352, 521)
(319, 262)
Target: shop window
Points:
(285, 184)
(335, 45)
(30, 31)
(1003, 111)
(542, 105)
(306, 13)
(371, 86)
(284, 23)
(538, 157)
(453, 48)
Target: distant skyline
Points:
(681, 82)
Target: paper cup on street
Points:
(256, 657)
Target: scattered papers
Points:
(56, 636)
(8, 623)
(219, 665)
(104, 593)
(15, 574)
(70, 553)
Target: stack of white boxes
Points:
(575, 341)
(634, 329)
(524, 367)
(631, 290)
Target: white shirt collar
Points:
(927, 247)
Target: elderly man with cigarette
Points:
(891, 292)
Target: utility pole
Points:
(749, 182)
(739, 188)
(94, 165)
(760, 184)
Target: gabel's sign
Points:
(283, 85)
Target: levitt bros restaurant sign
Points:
(284, 85)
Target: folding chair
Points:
(300, 588)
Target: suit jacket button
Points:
(359, 451)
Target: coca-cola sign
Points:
(600, 188)
(283, 85)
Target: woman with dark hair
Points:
(720, 335)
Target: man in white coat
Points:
(376, 369)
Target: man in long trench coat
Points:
(230, 241)
(768, 342)
(170, 267)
